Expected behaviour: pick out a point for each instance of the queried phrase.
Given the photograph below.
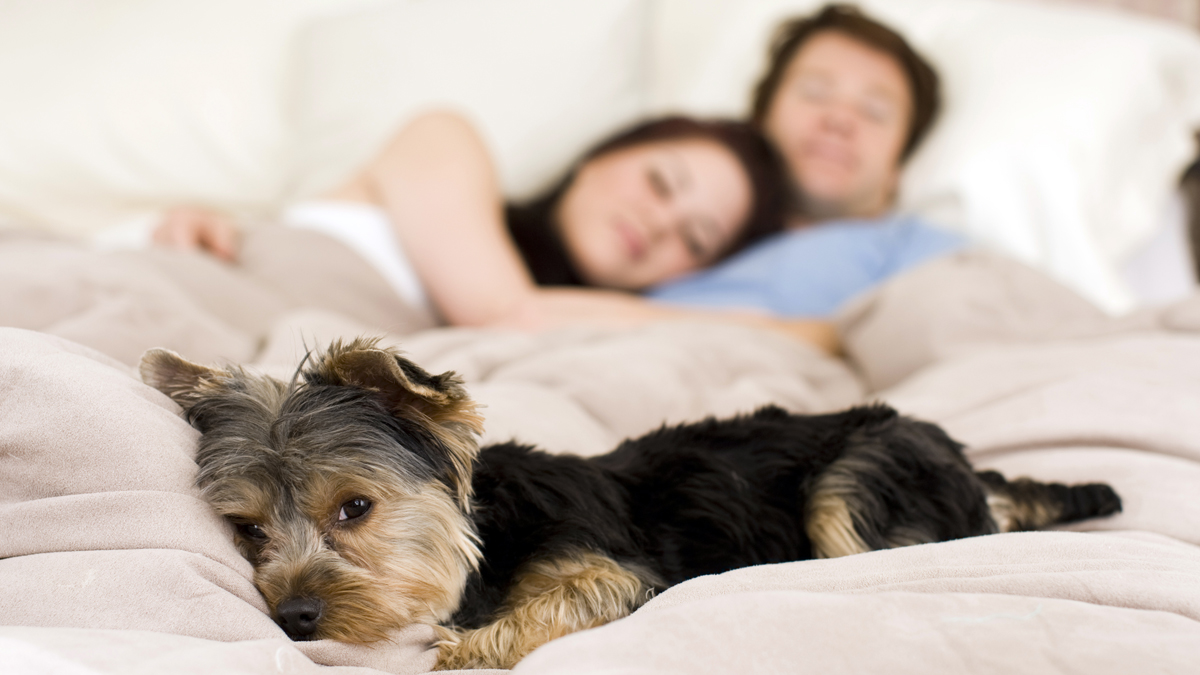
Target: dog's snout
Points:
(299, 617)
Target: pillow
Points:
(958, 304)
(102, 528)
(1063, 132)
(114, 107)
(543, 79)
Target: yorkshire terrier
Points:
(359, 493)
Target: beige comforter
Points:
(110, 563)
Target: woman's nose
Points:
(666, 222)
(659, 218)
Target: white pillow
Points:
(113, 107)
(543, 79)
(1063, 132)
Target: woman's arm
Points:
(554, 307)
(436, 182)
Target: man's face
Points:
(841, 116)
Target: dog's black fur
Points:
(717, 495)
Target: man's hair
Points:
(850, 21)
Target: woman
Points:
(661, 200)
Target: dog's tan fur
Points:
(371, 578)
(830, 524)
(1014, 515)
(550, 599)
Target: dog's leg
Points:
(1025, 504)
(901, 489)
(549, 599)
(829, 514)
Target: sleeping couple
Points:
(773, 222)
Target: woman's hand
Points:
(190, 229)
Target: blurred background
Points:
(1066, 129)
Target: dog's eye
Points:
(251, 531)
(355, 508)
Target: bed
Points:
(1042, 349)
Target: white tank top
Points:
(366, 230)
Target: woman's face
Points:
(641, 215)
(840, 117)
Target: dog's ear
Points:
(439, 401)
(405, 386)
(177, 377)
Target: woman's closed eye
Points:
(659, 183)
(698, 237)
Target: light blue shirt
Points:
(813, 271)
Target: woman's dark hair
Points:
(533, 224)
(850, 21)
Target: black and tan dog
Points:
(360, 495)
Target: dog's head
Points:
(349, 488)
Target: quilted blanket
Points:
(109, 562)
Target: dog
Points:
(360, 495)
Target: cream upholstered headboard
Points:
(1183, 11)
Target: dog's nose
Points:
(299, 617)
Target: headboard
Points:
(1186, 12)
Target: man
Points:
(846, 100)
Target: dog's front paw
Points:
(448, 646)
(487, 647)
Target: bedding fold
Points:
(109, 561)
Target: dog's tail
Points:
(1025, 504)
